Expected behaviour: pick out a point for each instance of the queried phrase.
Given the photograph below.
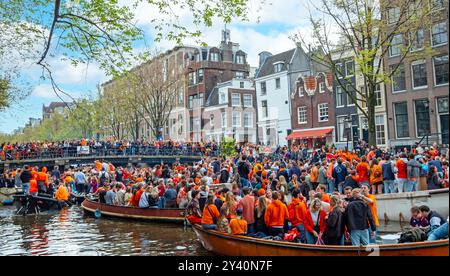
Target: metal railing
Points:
(442, 138)
(72, 152)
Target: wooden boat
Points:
(28, 204)
(76, 199)
(395, 207)
(230, 245)
(147, 214)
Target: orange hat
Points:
(262, 192)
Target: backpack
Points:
(413, 235)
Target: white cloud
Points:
(44, 91)
(66, 73)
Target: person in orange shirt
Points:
(276, 214)
(376, 177)
(297, 212)
(330, 178)
(33, 186)
(42, 179)
(372, 202)
(238, 225)
(62, 194)
(322, 190)
(210, 214)
(363, 170)
(314, 175)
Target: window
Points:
(351, 94)
(321, 87)
(181, 96)
(340, 97)
(380, 132)
(192, 78)
(393, 15)
(401, 120)
(201, 99)
(200, 75)
(396, 44)
(248, 100)
(215, 57)
(223, 97)
(265, 111)
(443, 105)
(440, 70)
(323, 112)
(417, 40)
(377, 94)
(224, 119)
(341, 124)
(211, 120)
(191, 102)
(240, 59)
(422, 117)
(301, 90)
(437, 4)
(240, 75)
(263, 88)
(349, 68)
(302, 116)
(235, 99)
(277, 83)
(419, 74)
(248, 119)
(398, 78)
(278, 67)
(339, 71)
(236, 119)
(439, 34)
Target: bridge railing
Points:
(73, 152)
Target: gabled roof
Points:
(267, 68)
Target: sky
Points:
(269, 29)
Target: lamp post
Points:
(348, 126)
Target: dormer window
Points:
(278, 67)
(240, 59)
(215, 57)
(301, 90)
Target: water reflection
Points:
(69, 232)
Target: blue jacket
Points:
(339, 174)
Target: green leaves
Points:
(228, 147)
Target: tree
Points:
(367, 29)
(4, 95)
(101, 31)
(228, 147)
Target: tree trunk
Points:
(371, 118)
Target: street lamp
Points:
(348, 127)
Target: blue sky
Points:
(278, 20)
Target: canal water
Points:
(70, 232)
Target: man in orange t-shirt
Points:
(363, 170)
(372, 203)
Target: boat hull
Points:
(229, 245)
(157, 215)
(392, 205)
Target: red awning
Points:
(310, 134)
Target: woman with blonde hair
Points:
(283, 184)
(315, 223)
(334, 233)
(230, 204)
(260, 212)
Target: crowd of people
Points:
(320, 197)
(102, 147)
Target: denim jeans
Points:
(360, 237)
(162, 203)
(251, 228)
(302, 231)
(330, 186)
(26, 188)
(209, 226)
(402, 183)
(389, 187)
(439, 234)
(373, 241)
(310, 238)
(410, 186)
(245, 183)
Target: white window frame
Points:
(319, 109)
(378, 91)
(278, 83)
(224, 95)
(223, 118)
(251, 100)
(341, 75)
(263, 92)
(431, 34)
(344, 137)
(418, 62)
(321, 87)
(278, 67)
(384, 129)
(240, 59)
(348, 96)
(337, 95)
(395, 121)
(434, 72)
(392, 82)
(262, 109)
(239, 123)
(399, 46)
(250, 117)
(415, 115)
(240, 75)
(301, 90)
(215, 57)
(233, 100)
(346, 73)
(423, 42)
(305, 110)
(390, 22)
